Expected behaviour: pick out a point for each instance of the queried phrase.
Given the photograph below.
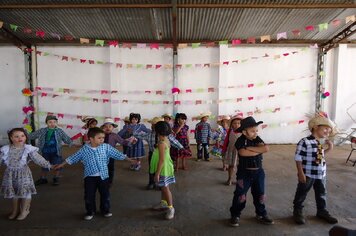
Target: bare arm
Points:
(301, 175)
(261, 148)
(161, 150)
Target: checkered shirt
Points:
(150, 138)
(96, 161)
(58, 134)
(306, 152)
(202, 132)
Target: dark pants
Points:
(246, 179)
(319, 186)
(203, 147)
(91, 184)
(111, 169)
(150, 176)
(53, 159)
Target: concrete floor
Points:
(201, 200)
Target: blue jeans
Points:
(246, 179)
(319, 186)
(203, 147)
(53, 158)
(91, 184)
(111, 169)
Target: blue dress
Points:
(137, 150)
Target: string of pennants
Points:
(120, 65)
(263, 126)
(118, 119)
(176, 103)
(41, 34)
(173, 90)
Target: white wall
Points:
(52, 72)
(341, 82)
(12, 77)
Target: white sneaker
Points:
(170, 213)
(107, 215)
(161, 206)
(88, 217)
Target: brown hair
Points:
(12, 131)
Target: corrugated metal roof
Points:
(194, 24)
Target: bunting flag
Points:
(156, 102)
(160, 66)
(234, 42)
(84, 40)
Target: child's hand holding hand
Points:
(302, 178)
(57, 167)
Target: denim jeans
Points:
(319, 186)
(53, 158)
(91, 184)
(246, 179)
(111, 169)
(203, 147)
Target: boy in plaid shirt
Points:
(95, 158)
(202, 137)
(311, 167)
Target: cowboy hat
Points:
(247, 123)
(109, 121)
(321, 119)
(167, 115)
(155, 120)
(204, 114)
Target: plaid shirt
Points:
(96, 160)
(202, 132)
(307, 152)
(58, 134)
(150, 138)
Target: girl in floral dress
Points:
(180, 129)
(17, 183)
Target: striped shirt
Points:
(95, 160)
(202, 132)
(307, 152)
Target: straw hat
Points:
(110, 121)
(126, 119)
(85, 119)
(167, 115)
(204, 114)
(321, 118)
(224, 117)
(155, 120)
(236, 117)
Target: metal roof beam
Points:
(334, 41)
(13, 38)
(197, 5)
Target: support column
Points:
(114, 81)
(320, 81)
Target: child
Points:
(311, 167)
(17, 182)
(167, 118)
(126, 123)
(90, 122)
(250, 172)
(113, 139)
(95, 158)
(162, 168)
(230, 157)
(137, 150)
(202, 137)
(180, 129)
(151, 140)
(219, 136)
(50, 140)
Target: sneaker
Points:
(55, 181)
(198, 159)
(235, 221)
(41, 181)
(298, 216)
(325, 215)
(137, 167)
(150, 186)
(132, 167)
(170, 213)
(88, 217)
(265, 220)
(161, 206)
(107, 215)
(208, 159)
